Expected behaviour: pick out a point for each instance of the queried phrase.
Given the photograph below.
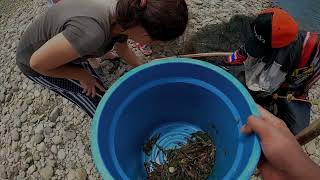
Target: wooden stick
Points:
(212, 54)
(309, 133)
(199, 55)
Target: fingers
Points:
(246, 129)
(89, 92)
(272, 119)
(93, 90)
(100, 87)
(259, 126)
(268, 116)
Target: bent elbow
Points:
(37, 65)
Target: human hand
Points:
(127, 55)
(89, 84)
(283, 156)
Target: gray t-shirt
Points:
(84, 23)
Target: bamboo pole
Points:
(309, 133)
(199, 55)
(212, 54)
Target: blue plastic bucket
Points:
(174, 97)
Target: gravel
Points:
(42, 135)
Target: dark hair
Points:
(163, 20)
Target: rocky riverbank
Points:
(43, 136)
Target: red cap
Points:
(284, 28)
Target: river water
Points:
(306, 12)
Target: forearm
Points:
(65, 72)
(125, 53)
(305, 169)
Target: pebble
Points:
(21, 176)
(3, 173)
(46, 173)
(39, 129)
(52, 124)
(57, 140)
(15, 88)
(54, 149)
(41, 147)
(54, 114)
(26, 138)
(51, 163)
(18, 124)
(31, 169)
(15, 135)
(29, 101)
(8, 97)
(5, 119)
(19, 112)
(23, 117)
(311, 148)
(315, 159)
(36, 156)
(61, 154)
(69, 135)
(24, 153)
(2, 98)
(48, 131)
(30, 87)
(24, 167)
(36, 93)
(16, 156)
(38, 138)
(77, 174)
(29, 159)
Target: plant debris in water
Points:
(147, 147)
(193, 160)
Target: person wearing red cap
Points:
(280, 60)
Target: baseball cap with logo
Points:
(273, 28)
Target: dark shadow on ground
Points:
(221, 37)
(226, 37)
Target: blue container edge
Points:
(256, 151)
